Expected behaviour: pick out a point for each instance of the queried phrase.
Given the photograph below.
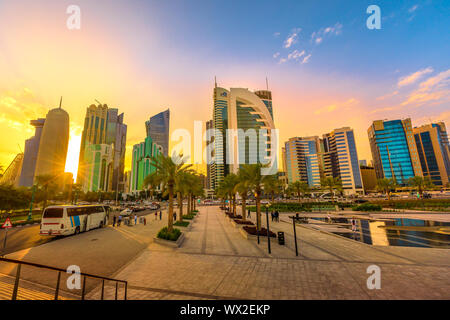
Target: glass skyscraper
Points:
(158, 129)
(394, 150)
(434, 152)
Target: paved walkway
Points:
(216, 262)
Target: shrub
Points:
(367, 207)
(166, 235)
(181, 223)
(188, 216)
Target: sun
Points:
(73, 154)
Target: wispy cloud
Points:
(292, 38)
(433, 90)
(276, 55)
(337, 106)
(413, 8)
(306, 59)
(413, 77)
(295, 55)
(317, 37)
(389, 95)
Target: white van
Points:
(67, 220)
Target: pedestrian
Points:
(135, 219)
(156, 215)
(145, 221)
(174, 216)
(248, 214)
(328, 217)
(119, 221)
(114, 221)
(272, 215)
(353, 221)
(160, 214)
(277, 216)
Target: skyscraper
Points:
(434, 152)
(104, 135)
(11, 175)
(30, 154)
(244, 120)
(394, 150)
(210, 142)
(301, 157)
(158, 129)
(51, 157)
(141, 163)
(341, 159)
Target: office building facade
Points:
(394, 150)
(158, 129)
(141, 163)
(98, 171)
(30, 154)
(434, 152)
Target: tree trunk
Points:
(180, 205)
(170, 218)
(258, 211)
(243, 207)
(234, 205)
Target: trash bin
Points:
(281, 238)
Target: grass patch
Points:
(181, 223)
(189, 216)
(367, 207)
(166, 235)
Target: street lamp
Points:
(268, 230)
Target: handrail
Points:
(37, 265)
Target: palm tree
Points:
(271, 186)
(228, 185)
(48, 184)
(243, 188)
(256, 181)
(421, 184)
(168, 173)
(331, 184)
(152, 182)
(300, 188)
(386, 185)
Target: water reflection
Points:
(397, 232)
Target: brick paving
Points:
(216, 262)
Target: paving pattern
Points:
(216, 262)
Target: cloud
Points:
(318, 36)
(413, 8)
(292, 38)
(295, 55)
(282, 60)
(276, 55)
(306, 59)
(434, 90)
(337, 106)
(389, 95)
(413, 77)
(276, 34)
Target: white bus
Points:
(67, 220)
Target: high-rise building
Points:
(301, 157)
(141, 163)
(11, 175)
(52, 153)
(244, 120)
(30, 154)
(210, 142)
(394, 150)
(369, 178)
(104, 135)
(158, 129)
(434, 152)
(340, 159)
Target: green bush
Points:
(166, 235)
(181, 223)
(427, 204)
(188, 216)
(367, 207)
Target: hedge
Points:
(166, 235)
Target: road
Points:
(19, 238)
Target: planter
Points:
(236, 224)
(169, 243)
(249, 236)
(187, 228)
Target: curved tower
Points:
(51, 158)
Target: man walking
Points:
(119, 221)
(114, 221)
(135, 219)
(248, 214)
(160, 214)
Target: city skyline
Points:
(325, 71)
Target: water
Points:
(398, 232)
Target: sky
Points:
(325, 68)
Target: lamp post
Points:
(268, 230)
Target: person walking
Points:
(156, 215)
(160, 214)
(277, 216)
(174, 216)
(272, 215)
(353, 221)
(114, 221)
(119, 221)
(135, 219)
(248, 214)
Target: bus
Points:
(66, 220)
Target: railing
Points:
(59, 270)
